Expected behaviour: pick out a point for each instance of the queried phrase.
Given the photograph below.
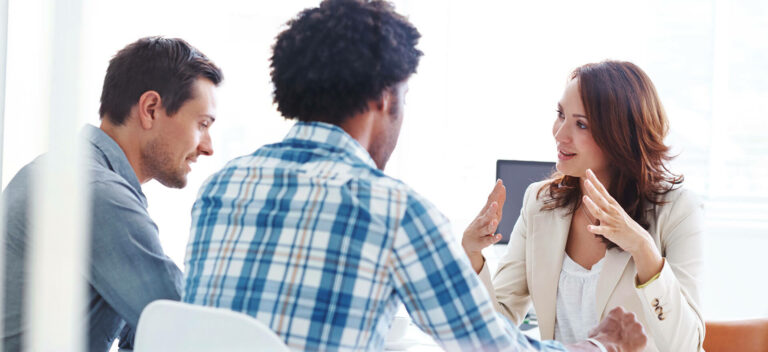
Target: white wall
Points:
(486, 89)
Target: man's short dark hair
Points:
(332, 60)
(169, 66)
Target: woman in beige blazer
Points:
(613, 209)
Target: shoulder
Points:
(681, 213)
(111, 188)
(396, 192)
(679, 202)
(117, 204)
(535, 195)
(18, 189)
(119, 215)
(407, 202)
(227, 181)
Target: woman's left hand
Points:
(616, 225)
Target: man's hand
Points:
(618, 332)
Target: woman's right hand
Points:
(480, 232)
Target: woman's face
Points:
(576, 149)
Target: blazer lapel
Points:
(615, 263)
(550, 233)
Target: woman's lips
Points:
(561, 155)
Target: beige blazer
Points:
(530, 271)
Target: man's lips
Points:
(189, 161)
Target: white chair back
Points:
(170, 326)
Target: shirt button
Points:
(655, 302)
(659, 310)
(661, 316)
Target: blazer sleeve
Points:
(671, 303)
(509, 287)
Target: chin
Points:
(567, 171)
(562, 168)
(175, 181)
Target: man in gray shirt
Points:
(157, 105)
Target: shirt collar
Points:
(108, 153)
(330, 137)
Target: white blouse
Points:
(576, 313)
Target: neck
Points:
(129, 142)
(361, 128)
(602, 176)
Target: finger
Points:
(617, 312)
(492, 239)
(497, 193)
(501, 199)
(628, 318)
(593, 209)
(486, 223)
(602, 230)
(492, 226)
(596, 196)
(492, 212)
(598, 185)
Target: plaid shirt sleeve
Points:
(442, 293)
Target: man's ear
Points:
(385, 102)
(149, 106)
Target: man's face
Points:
(388, 126)
(181, 138)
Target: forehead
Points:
(571, 98)
(203, 95)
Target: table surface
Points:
(417, 340)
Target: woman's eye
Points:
(560, 114)
(581, 125)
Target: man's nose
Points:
(206, 145)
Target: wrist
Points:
(586, 346)
(643, 243)
(648, 262)
(644, 248)
(477, 260)
(601, 341)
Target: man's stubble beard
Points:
(159, 163)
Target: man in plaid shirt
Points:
(311, 237)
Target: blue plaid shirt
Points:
(309, 237)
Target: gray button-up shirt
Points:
(127, 267)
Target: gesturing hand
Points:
(614, 223)
(620, 331)
(480, 232)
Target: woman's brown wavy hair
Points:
(628, 123)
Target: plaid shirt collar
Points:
(321, 135)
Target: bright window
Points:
(485, 90)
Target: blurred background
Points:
(486, 89)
